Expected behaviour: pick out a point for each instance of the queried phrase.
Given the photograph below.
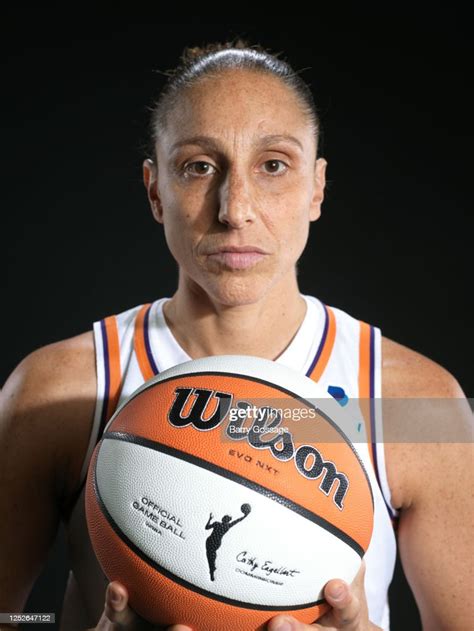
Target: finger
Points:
(287, 623)
(346, 610)
(118, 611)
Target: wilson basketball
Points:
(224, 491)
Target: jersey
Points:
(331, 347)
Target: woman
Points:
(235, 179)
(219, 529)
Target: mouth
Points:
(237, 257)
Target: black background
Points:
(392, 247)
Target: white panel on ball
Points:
(274, 556)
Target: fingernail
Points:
(115, 597)
(337, 592)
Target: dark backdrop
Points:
(391, 248)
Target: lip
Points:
(237, 248)
(237, 257)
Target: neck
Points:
(203, 326)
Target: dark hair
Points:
(212, 59)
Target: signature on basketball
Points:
(268, 567)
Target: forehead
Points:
(238, 102)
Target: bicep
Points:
(27, 526)
(428, 429)
(435, 535)
(30, 513)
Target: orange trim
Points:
(327, 348)
(115, 372)
(364, 382)
(139, 344)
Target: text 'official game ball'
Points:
(224, 492)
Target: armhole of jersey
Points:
(378, 445)
(100, 398)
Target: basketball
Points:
(224, 492)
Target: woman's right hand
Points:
(118, 616)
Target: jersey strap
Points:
(325, 347)
(367, 402)
(366, 386)
(109, 385)
(141, 344)
(112, 368)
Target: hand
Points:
(348, 609)
(118, 616)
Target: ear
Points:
(150, 179)
(318, 191)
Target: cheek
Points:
(296, 238)
(288, 220)
(184, 221)
(176, 230)
(187, 207)
(183, 228)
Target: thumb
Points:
(286, 623)
(346, 608)
(117, 610)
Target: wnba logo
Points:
(219, 529)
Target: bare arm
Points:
(432, 483)
(208, 526)
(236, 521)
(45, 417)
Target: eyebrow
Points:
(213, 143)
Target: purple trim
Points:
(372, 402)
(322, 342)
(392, 514)
(105, 346)
(147, 341)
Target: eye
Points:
(274, 167)
(198, 168)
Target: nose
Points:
(235, 204)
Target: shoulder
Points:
(47, 408)
(407, 373)
(52, 372)
(426, 421)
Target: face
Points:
(236, 186)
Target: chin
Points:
(235, 291)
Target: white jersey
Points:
(336, 350)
